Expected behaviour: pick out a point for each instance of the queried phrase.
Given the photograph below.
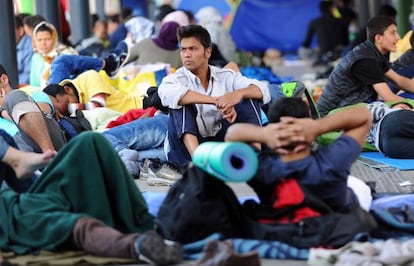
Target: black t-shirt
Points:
(368, 72)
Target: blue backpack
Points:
(394, 215)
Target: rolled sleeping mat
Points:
(228, 161)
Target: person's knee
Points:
(183, 120)
(248, 110)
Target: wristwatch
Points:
(2, 108)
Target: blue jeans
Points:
(7, 173)
(183, 121)
(396, 134)
(145, 135)
(70, 66)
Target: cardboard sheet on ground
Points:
(380, 159)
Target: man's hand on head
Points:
(278, 136)
(309, 127)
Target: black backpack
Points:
(199, 205)
(73, 125)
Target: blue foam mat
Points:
(401, 164)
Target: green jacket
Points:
(86, 178)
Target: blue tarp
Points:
(195, 5)
(281, 24)
(139, 7)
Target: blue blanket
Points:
(400, 164)
(265, 249)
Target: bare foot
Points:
(25, 163)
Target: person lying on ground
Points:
(392, 130)
(38, 130)
(92, 89)
(138, 140)
(70, 66)
(60, 211)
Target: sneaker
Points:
(144, 173)
(163, 175)
(151, 248)
(133, 168)
(156, 181)
(169, 171)
(116, 59)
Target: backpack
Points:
(296, 216)
(73, 125)
(395, 216)
(199, 205)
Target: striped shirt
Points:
(378, 110)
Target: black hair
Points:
(378, 25)
(75, 91)
(287, 106)
(402, 102)
(325, 7)
(126, 13)
(196, 31)
(2, 70)
(104, 22)
(388, 11)
(57, 89)
(94, 19)
(114, 18)
(54, 89)
(32, 21)
(18, 22)
(162, 11)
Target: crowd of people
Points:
(57, 166)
